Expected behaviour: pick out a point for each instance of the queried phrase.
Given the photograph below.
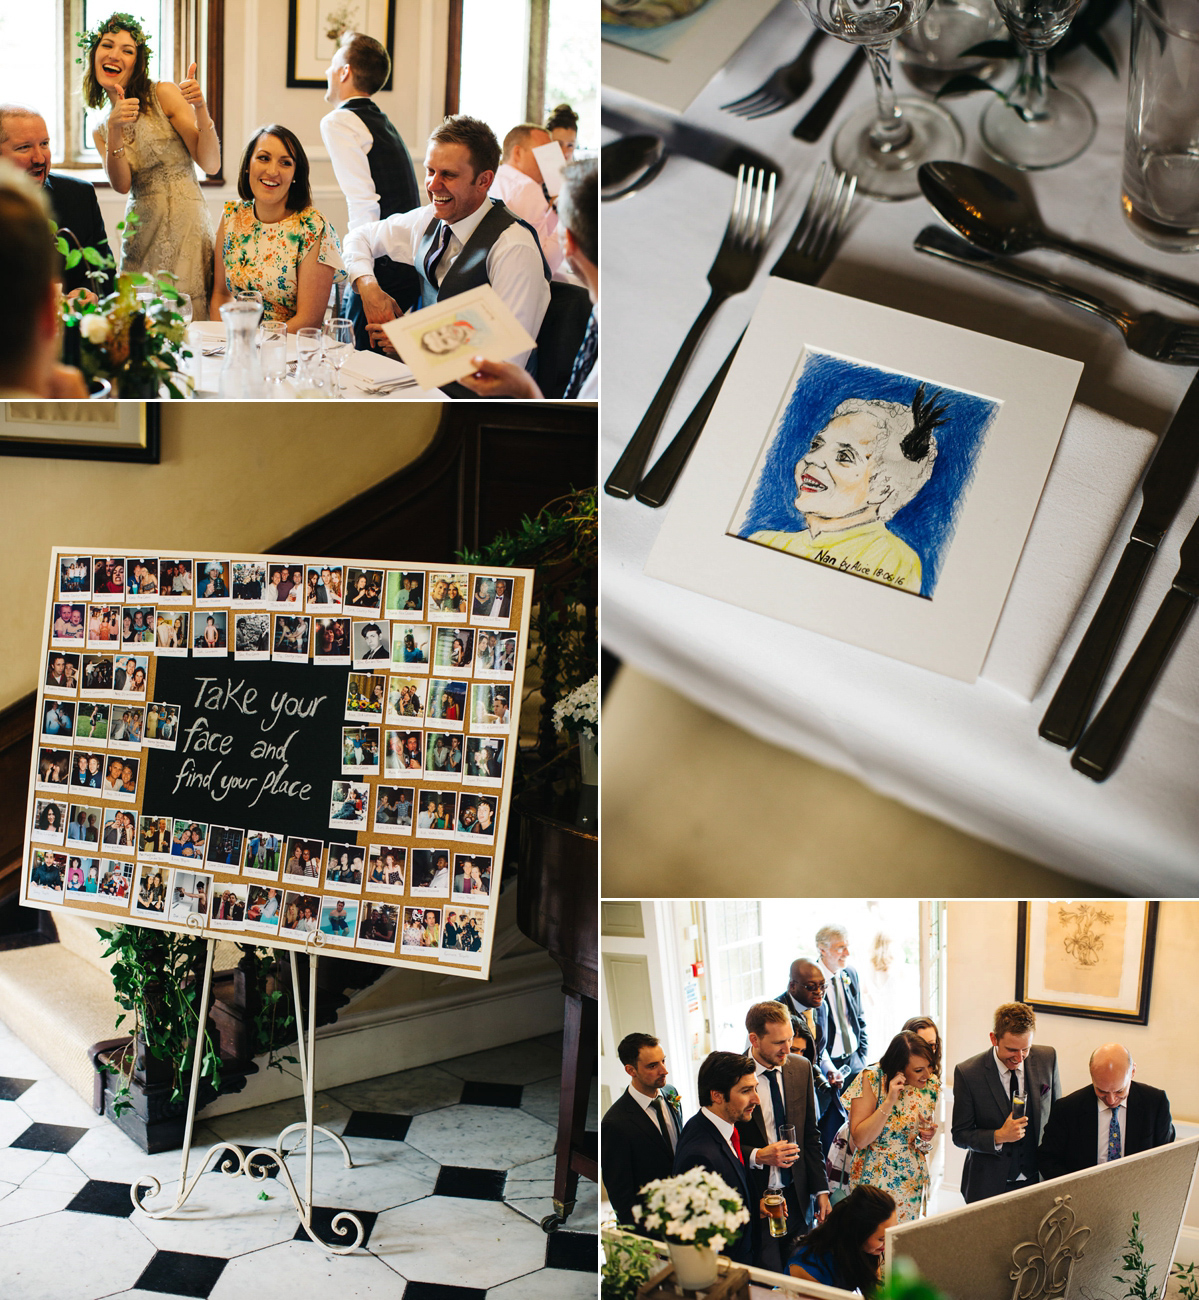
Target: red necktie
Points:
(737, 1145)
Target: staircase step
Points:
(78, 934)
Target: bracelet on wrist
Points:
(117, 153)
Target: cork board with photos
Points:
(286, 750)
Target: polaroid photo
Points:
(491, 600)
(550, 161)
(83, 876)
(454, 647)
(323, 594)
(462, 935)
(405, 700)
(472, 878)
(47, 872)
(172, 633)
(108, 576)
(104, 626)
(91, 723)
(477, 814)
(360, 750)
(87, 770)
(210, 639)
(141, 577)
(420, 930)
(264, 904)
(62, 673)
(129, 677)
(302, 860)
(365, 693)
(116, 883)
(411, 646)
(285, 584)
(437, 343)
(83, 825)
(137, 625)
(371, 642)
(448, 595)
(120, 831)
(447, 703)
(378, 927)
(437, 815)
(150, 891)
(190, 891)
(175, 580)
(393, 809)
(74, 576)
(224, 848)
(264, 854)
(249, 582)
(69, 625)
(128, 726)
(404, 594)
(227, 910)
(251, 636)
(188, 839)
(154, 838)
(443, 755)
(385, 869)
(293, 633)
(490, 707)
(55, 768)
(120, 777)
(495, 655)
(402, 753)
(58, 720)
(430, 873)
(212, 583)
(162, 726)
(345, 866)
(331, 641)
(364, 591)
(339, 920)
(348, 806)
(300, 915)
(97, 678)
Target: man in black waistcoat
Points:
(25, 141)
(458, 241)
(370, 161)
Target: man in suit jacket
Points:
(728, 1095)
(846, 1023)
(785, 1096)
(1109, 1118)
(1001, 1149)
(634, 1149)
(804, 997)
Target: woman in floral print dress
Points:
(891, 1123)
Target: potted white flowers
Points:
(578, 715)
(699, 1214)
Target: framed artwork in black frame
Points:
(314, 30)
(123, 431)
(1087, 957)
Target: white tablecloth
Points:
(968, 754)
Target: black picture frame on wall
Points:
(53, 430)
(309, 49)
(1071, 957)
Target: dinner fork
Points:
(805, 259)
(784, 85)
(1148, 333)
(732, 272)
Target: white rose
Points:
(94, 327)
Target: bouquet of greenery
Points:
(697, 1208)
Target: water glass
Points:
(339, 341)
(183, 306)
(932, 51)
(1161, 137)
(248, 295)
(272, 351)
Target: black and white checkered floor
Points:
(453, 1171)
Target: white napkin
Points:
(369, 368)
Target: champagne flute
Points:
(884, 143)
(339, 339)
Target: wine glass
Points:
(1037, 124)
(183, 306)
(339, 339)
(883, 144)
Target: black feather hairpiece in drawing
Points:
(927, 416)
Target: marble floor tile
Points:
(541, 1099)
(60, 1257)
(14, 1121)
(584, 1217)
(481, 1137)
(24, 1204)
(51, 1101)
(19, 1059)
(11, 1087)
(409, 1092)
(16, 1164)
(548, 1284)
(262, 1125)
(138, 1294)
(385, 1174)
(223, 1216)
(106, 1152)
(301, 1269)
(515, 1063)
(471, 1243)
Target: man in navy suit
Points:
(1111, 1117)
(804, 997)
(846, 1023)
(728, 1095)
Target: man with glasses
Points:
(847, 1024)
(1001, 1103)
(804, 997)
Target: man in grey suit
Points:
(846, 1023)
(793, 1169)
(1001, 1103)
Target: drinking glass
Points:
(1038, 124)
(272, 349)
(883, 144)
(339, 339)
(183, 305)
(249, 295)
(310, 381)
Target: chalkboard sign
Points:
(293, 751)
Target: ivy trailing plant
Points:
(629, 1262)
(1134, 1271)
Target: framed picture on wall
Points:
(1089, 957)
(127, 431)
(315, 28)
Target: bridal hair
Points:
(140, 86)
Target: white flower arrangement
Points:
(697, 1208)
(578, 712)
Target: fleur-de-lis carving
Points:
(1042, 1268)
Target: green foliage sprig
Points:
(87, 41)
(1134, 1271)
(1188, 1283)
(629, 1261)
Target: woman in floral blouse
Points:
(274, 240)
(891, 1123)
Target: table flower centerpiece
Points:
(699, 1214)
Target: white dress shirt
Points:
(514, 266)
(647, 1105)
(523, 197)
(725, 1129)
(1105, 1123)
(766, 1103)
(847, 1040)
(349, 141)
(1004, 1078)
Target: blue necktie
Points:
(434, 254)
(1113, 1135)
(584, 358)
(780, 1116)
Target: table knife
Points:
(679, 137)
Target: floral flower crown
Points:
(87, 41)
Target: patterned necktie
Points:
(736, 1141)
(780, 1116)
(584, 359)
(1113, 1135)
(434, 254)
(664, 1121)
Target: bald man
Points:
(1113, 1116)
